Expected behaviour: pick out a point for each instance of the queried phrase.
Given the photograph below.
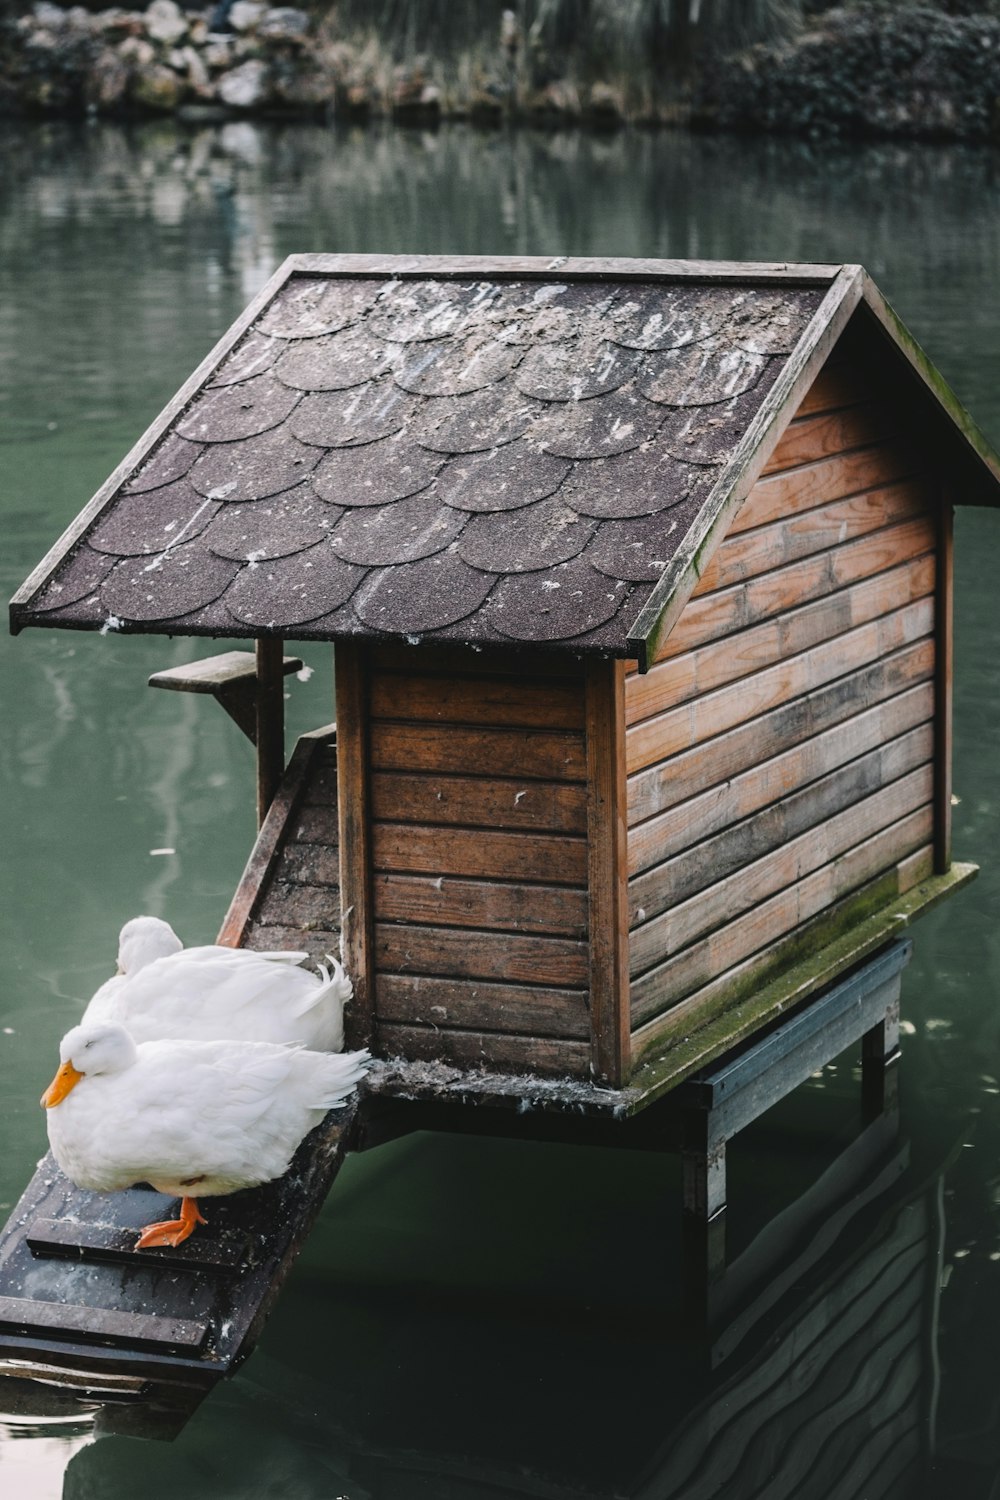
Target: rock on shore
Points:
(163, 59)
(912, 72)
(907, 71)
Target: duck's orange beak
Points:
(67, 1078)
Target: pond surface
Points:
(489, 1319)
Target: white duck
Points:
(140, 941)
(203, 1117)
(213, 993)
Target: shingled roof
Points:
(483, 452)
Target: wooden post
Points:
(607, 873)
(703, 1176)
(943, 692)
(270, 714)
(354, 802)
(879, 1065)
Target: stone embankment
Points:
(869, 70)
(251, 58)
(160, 59)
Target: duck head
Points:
(86, 1051)
(142, 941)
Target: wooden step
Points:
(73, 1240)
(75, 1292)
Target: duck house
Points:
(639, 579)
(638, 576)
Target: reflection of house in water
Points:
(825, 1365)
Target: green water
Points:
(481, 1319)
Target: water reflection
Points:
(232, 200)
(487, 1318)
(39, 1433)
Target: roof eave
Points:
(664, 605)
(20, 612)
(852, 289)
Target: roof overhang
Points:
(849, 299)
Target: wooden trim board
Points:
(944, 687)
(664, 605)
(607, 856)
(559, 267)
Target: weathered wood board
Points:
(480, 840)
(783, 753)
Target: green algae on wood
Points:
(668, 1063)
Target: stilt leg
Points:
(879, 1070)
(703, 1168)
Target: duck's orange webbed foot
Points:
(172, 1231)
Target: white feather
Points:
(216, 993)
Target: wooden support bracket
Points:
(248, 685)
(230, 678)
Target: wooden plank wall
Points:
(479, 861)
(780, 753)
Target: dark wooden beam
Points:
(270, 715)
(943, 687)
(354, 799)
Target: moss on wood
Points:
(811, 960)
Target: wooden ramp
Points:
(73, 1290)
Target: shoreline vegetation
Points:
(875, 70)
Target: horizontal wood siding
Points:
(479, 862)
(780, 753)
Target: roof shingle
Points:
(487, 459)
